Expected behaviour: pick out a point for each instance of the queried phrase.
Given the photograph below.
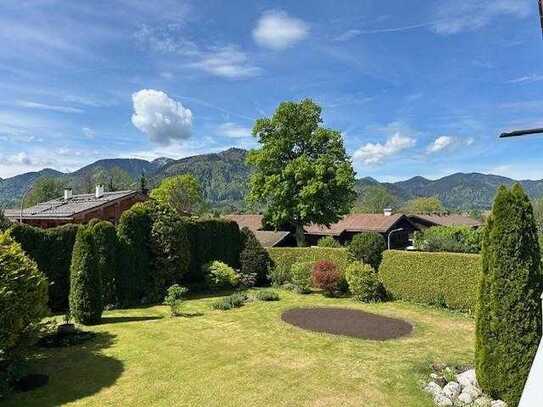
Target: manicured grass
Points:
(249, 357)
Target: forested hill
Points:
(224, 175)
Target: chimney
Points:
(99, 191)
(387, 211)
(67, 193)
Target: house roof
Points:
(357, 222)
(62, 209)
(447, 220)
(253, 222)
(268, 238)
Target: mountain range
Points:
(223, 177)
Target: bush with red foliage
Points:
(326, 276)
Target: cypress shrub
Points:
(51, 249)
(509, 314)
(171, 250)
(86, 293)
(368, 248)
(254, 259)
(23, 297)
(136, 260)
(107, 256)
(444, 279)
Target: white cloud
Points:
(526, 79)
(470, 15)
(440, 143)
(228, 62)
(277, 30)
(163, 119)
(233, 130)
(44, 106)
(88, 132)
(372, 154)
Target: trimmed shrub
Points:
(221, 276)
(459, 239)
(267, 295)
(328, 241)
(174, 298)
(508, 329)
(287, 256)
(171, 251)
(135, 242)
(86, 293)
(23, 298)
(107, 255)
(364, 283)
(368, 248)
(52, 250)
(301, 277)
(325, 276)
(232, 301)
(448, 279)
(254, 259)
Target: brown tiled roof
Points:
(253, 222)
(448, 220)
(357, 222)
(60, 208)
(270, 238)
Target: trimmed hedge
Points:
(51, 249)
(107, 257)
(447, 279)
(285, 257)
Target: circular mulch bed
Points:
(348, 322)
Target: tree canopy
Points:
(302, 173)
(45, 189)
(374, 199)
(181, 193)
(424, 206)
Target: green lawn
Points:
(248, 357)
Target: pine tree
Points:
(509, 308)
(86, 293)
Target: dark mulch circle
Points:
(31, 382)
(348, 322)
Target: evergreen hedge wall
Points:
(286, 256)
(51, 249)
(447, 279)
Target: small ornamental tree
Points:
(86, 292)
(508, 327)
(254, 259)
(368, 248)
(326, 276)
(23, 298)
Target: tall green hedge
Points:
(86, 291)
(508, 328)
(136, 259)
(285, 257)
(448, 279)
(51, 249)
(107, 257)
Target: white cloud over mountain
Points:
(160, 117)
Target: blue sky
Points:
(417, 88)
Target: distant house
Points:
(427, 221)
(267, 238)
(79, 208)
(398, 226)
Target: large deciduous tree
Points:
(424, 205)
(181, 193)
(302, 174)
(508, 327)
(374, 199)
(45, 189)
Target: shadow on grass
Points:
(74, 373)
(118, 320)
(190, 314)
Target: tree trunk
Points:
(300, 237)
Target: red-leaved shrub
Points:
(326, 276)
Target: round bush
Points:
(300, 276)
(368, 248)
(364, 283)
(86, 292)
(267, 295)
(326, 276)
(328, 241)
(23, 296)
(221, 276)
